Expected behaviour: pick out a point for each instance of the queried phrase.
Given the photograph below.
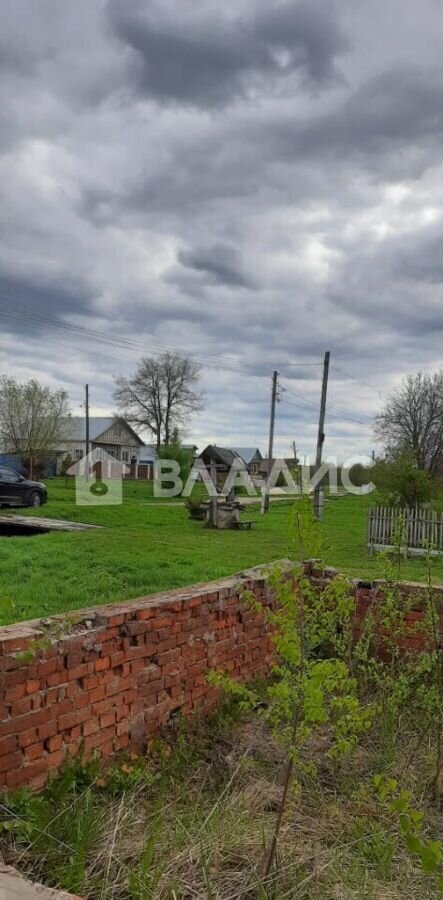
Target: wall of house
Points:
(111, 677)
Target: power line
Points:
(357, 380)
(91, 334)
(336, 414)
(291, 365)
(336, 410)
(41, 320)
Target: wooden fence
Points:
(417, 530)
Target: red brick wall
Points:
(368, 595)
(112, 676)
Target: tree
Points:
(412, 420)
(401, 483)
(176, 451)
(161, 395)
(32, 420)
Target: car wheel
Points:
(35, 499)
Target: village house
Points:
(223, 458)
(110, 434)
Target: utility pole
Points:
(213, 511)
(87, 429)
(296, 468)
(265, 502)
(318, 493)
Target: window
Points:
(125, 455)
(9, 476)
(79, 454)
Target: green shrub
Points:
(400, 483)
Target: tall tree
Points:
(412, 420)
(32, 420)
(161, 395)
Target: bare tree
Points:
(412, 420)
(32, 420)
(161, 395)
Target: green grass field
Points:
(146, 547)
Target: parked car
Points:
(18, 491)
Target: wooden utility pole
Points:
(318, 493)
(265, 504)
(213, 512)
(87, 428)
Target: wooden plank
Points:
(39, 522)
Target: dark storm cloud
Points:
(16, 58)
(392, 109)
(209, 57)
(420, 259)
(27, 307)
(220, 262)
(255, 182)
(391, 127)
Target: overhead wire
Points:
(354, 378)
(30, 316)
(336, 415)
(43, 321)
(333, 411)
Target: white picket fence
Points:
(420, 528)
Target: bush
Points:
(400, 483)
(182, 456)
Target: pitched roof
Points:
(246, 453)
(76, 427)
(219, 454)
(147, 454)
(226, 455)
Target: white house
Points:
(110, 434)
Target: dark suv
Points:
(18, 491)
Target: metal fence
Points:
(418, 530)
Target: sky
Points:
(249, 183)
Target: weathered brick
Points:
(97, 694)
(102, 664)
(8, 745)
(70, 720)
(11, 761)
(107, 719)
(91, 726)
(25, 738)
(35, 751)
(79, 671)
(33, 685)
(54, 743)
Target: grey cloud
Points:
(254, 181)
(393, 108)
(27, 307)
(388, 128)
(207, 58)
(221, 262)
(421, 260)
(393, 284)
